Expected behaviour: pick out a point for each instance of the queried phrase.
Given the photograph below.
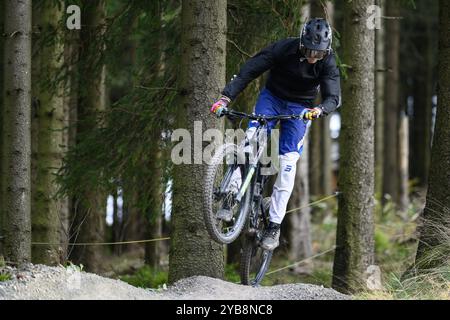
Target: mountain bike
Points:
(233, 197)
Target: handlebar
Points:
(261, 117)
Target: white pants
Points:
(283, 186)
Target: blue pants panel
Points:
(292, 131)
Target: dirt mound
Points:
(55, 283)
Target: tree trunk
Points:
(317, 9)
(135, 222)
(2, 10)
(50, 118)
(16, 184)
(320, 141)
(90, 214)
(380, 101)
(154, 216)
(391, 123)
(300, 242)
(355, 229)
(315, 141)
(71, 57)
(326, 163)
(203, 44)
(422, 114)
(433, 249)
(154, 231)
(297, 230)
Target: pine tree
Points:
(432, 251)
(49, 132)
(16, 161)
(354, 240)
(203, 44)
(392, 104)
(89, 213)
(1, 122)
(423, 93)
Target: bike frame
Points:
(261, 144)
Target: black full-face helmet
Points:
(316, 38)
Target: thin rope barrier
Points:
(98, 243)
(314, 203)
(299, 262)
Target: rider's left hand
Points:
(312, 114)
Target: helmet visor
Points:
(314, 54)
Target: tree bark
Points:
(320, 141)
(392, 104)
(300, 240)
(16, 184)
(380, 35)
(433, 247)
(154, 250)
(2, 10)
(203, 45)
(154, 231)
(355, 229)
(297, 231)
(315, 141)
(89, 217)
(49, 117)
(326, 163)
(422, 111)
(71, 89)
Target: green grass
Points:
(5, 276)
(73, 267)
(146, 277)
(232, 273)
(434, 285)
(396, 244)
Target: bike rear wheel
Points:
(255, 261)
(217, 172)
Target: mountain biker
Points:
(299, 67)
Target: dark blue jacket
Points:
(291, 77)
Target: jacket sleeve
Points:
(252, 69)
(330, 86)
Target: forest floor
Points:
(54, 283)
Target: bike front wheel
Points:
(224, 216)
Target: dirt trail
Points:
(54, 283)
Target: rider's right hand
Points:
(220, 106)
